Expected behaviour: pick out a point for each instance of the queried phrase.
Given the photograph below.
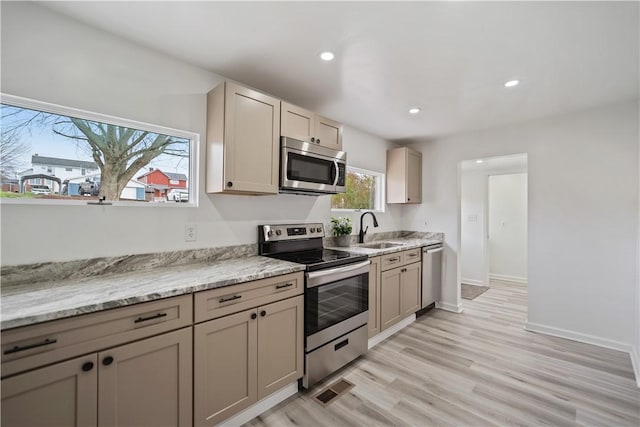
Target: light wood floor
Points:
(478, 368)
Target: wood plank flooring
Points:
(478, 368)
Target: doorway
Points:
(493, 224)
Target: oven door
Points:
(308, 168)
(336, 302)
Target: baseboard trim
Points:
(505, 278)
(455, 308)
(377, 339)
(577, 336)
(635, 362)
(473, 282)
(261, 406)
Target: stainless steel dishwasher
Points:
(431, 273)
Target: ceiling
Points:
(451, 59)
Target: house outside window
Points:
(364, 191)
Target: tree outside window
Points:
(364, 191)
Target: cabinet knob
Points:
(229, 184)
(254, 316)
(318, 141)
(87, 366)
(107, 361)
(313, 139)
(408, 199)
(263, 313)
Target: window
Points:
(365, 191)
(94, 156)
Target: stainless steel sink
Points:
(382, 245)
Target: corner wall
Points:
(583, 217)
(52, 58)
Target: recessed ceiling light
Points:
(327, 56)
(414, 110)
(479, 161)
(512, 83)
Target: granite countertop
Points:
(29, 303)
(407, 243)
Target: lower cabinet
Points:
(399, 293)
(243, 357)
(144, 383)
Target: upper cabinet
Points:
(243, 141)
(305, 125)
(404, 176)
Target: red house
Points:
(162, 182)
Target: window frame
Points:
(194, 152)
(380, 190)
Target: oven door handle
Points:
(317, 278)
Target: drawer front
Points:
(232, 299)
(412, 255)
(33, 346)
(390, 261)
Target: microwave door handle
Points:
(336, 172)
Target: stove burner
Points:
(308, 260)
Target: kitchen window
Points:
(364, 191)
(86, 157)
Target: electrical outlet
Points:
(190, 232)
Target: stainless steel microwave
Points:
(306, 168)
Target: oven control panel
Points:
(270, 233)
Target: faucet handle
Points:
(365, 230)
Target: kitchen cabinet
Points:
(305, 125)
(241, 358)
(374, 296)
(404, 176)
(400, 283)
(147, 382)
(243, 141)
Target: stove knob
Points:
(278, 232)
(319, 229)
(269, 233)
(311, 230)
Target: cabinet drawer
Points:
(33, 346)
(232, 299)
(390, 261)
(412, 255)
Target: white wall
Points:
(508, 227)
(49, 57)
(473, 231)
(583, 216)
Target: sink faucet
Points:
(364, 231)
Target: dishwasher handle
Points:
(433, 251)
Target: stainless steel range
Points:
(336, 295)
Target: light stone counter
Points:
(409, 240)
(23, 304)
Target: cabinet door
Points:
(63, 394)
(328, 132)
(297, 122)
(280, 344)
(374, 297)
(414, 177)
(390, 310)
(225, 366)
(147, 382)
(251, 140)
(410, 290)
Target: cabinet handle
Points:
(394, 259)
(263, 313)
(155, 316)
(341, 344)
(107, 361)
(227, 299)
(403, 270)
(284, 286)
(254, 316)
(413, 255)
(313, 139)
(17, 349)
(229, 184)
(87, 366)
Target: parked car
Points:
(178, 195)
(89, 187)
(40, 189)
